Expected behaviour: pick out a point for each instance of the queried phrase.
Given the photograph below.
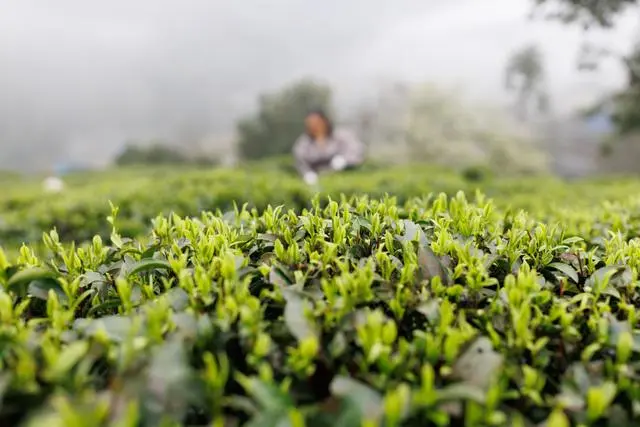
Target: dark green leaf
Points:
(116, 327)
(40, 289)
(267, 395)
(430, 309)
(69, 357)
(572, 240)
(429, 263)
(91, 277)
(358, 398)
(619, 276)
(278, 278)
(186, 325)
(178, 299)
(299, 326)
(268, 237)
(19, 282)
(459, 392)
(478, 363)
(169, 384)
(568, 271)
(148, 264)
(270, 419)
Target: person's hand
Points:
(338, 163)
(311, 178)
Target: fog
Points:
(79, 78)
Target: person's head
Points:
(317, 124)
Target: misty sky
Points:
(78, 77)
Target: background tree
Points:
(603, 13)
(280, 119)
(525, 77)
(157, 153)
(587, 13)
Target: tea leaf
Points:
(356, 397)
(20, 280)
(148, 264)
(478, 364)
(568, 271)
(299, 326)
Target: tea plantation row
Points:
(79, 212)
(411, 310)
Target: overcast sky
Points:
(78, 74)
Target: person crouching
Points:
(322, 148)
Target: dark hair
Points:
(327, 121)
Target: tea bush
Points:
(79, 212)
(427, 311)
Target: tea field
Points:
(411, 296)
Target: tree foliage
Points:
(588, 13)
(525, 77)
(603, 13)
(280, 119)
(155, 153)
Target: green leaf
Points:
(278, 278)
(267, 396)
(117, 328)
(459, 392)
(67, 359)
(612, 292)
(572, 240)
(91, 278)
(478, 353)
(619, 276)
(40, 289)
(350, 415)
(430, 309)
(178, 299)
(267, 237)
(294, 317)
(20, 280)
(357, 398)
(186, 325)
(558, 419)
(599, 399)
(568, 271)
(169, 385)
(270, 419)
(148, 264)
(429, 263)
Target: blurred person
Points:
(53, 184)
(322, 148)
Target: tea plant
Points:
(430, 311)
(78, 212)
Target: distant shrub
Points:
(157, 154)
